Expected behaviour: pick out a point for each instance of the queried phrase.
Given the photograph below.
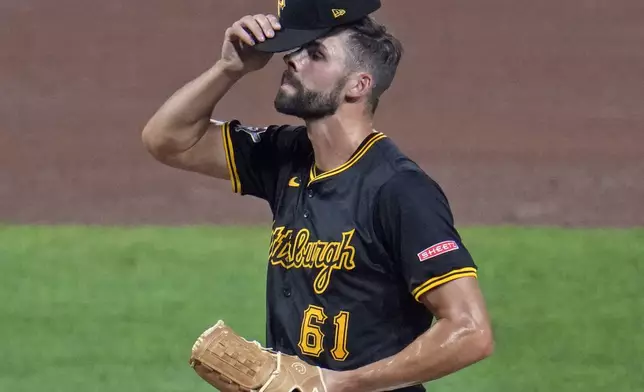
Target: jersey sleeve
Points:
(414, 222)
(256, 156)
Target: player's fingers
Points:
(250, 23)
(266, 25)
(274, 22)
(238, 32)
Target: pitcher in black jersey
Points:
(368, 277)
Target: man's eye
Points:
(316, 54)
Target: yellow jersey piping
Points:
(230, 158)
(440, 280)
(355, 158)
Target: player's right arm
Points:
(180, 134)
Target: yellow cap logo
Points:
(281, 4)
(338, 12)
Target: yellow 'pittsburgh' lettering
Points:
(297, 251)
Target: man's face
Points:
(314, 81)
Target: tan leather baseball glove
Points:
(231, 363)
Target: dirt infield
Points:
(527, 112)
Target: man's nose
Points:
(294, 60)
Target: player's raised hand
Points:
(238, 54)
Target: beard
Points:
(307, 104)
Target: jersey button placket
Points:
(286, 291)
(309, 193)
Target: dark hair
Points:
(375, 50)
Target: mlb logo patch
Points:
(437, 250)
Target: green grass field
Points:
(117, 309)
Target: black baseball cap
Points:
(303, 21)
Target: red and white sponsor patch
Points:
(437, 250)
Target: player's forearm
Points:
(185, 116)
(447, 347)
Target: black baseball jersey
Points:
(352, 249)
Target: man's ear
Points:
(360, 85)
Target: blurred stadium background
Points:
(529, 113)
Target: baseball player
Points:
(364, 255)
